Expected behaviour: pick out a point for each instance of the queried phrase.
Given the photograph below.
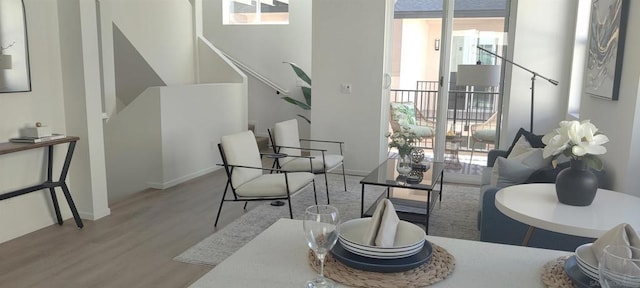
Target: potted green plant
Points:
(306, 91)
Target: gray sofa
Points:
(498, 228)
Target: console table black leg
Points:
(72, 206)
(52, 190)
(54, 199)
(63, 184)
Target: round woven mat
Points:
(439, 266)
(553, 274)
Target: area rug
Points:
(455, 217)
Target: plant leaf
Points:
(306, 92)
(301, 74)
(297, 103)
(305, 118)
(593, 162)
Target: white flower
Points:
(576, 139)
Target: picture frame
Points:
(607, 28)
(14, 57)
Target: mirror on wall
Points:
(14, 56)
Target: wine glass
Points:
(619, 267)
(321, 230)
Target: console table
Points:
(8, 147)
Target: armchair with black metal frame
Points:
(285, 139)
(245, 175)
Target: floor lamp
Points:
(533, 80)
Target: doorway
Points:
(415, 70)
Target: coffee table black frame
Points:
(387, 176)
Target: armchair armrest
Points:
(258, 168)
(301, 148)
(324, 141)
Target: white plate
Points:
(379, 255)
(588, 264)
(408, 235)
(585, 255)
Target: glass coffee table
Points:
(412, 200)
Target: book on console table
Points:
(36, 139)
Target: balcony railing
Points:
(465, 108)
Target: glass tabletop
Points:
(386, 175)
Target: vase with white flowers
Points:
(403, 140)
(581, 142)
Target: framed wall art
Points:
(607, 28)
(14, 56)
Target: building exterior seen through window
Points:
(239, 12)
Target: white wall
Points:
(348, 51)
(543, 43)
(620, 120)
(60, 103)
(263, 48)
(169, 135)
(194, 118)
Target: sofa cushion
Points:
(516, 169)
(534, 140)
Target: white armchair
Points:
(242, 163)
(285, 139)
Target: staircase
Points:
(263, 142)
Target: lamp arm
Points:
(554, 82)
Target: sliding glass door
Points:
(437, 66)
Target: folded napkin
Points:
(622, 234)
(384, 222)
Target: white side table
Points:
(537, 205)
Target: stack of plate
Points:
(410, 240)
(587, 261)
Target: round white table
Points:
(537, 206)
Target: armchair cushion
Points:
(242, 149)
(487, 135)
(274, 184)
(286, 134)
(403, 113)
(302, 164)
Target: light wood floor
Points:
(132, 247)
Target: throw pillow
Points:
(516, 169)
(534, 140)
(521, 146)
(404, 113)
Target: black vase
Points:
(576, 185)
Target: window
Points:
(238, 12)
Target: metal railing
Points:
(465, 108)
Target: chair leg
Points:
(344, 178)
(326, 185)
(290, 211)
(221, 202)
(245, 205)
(315, 195)
(473, 148)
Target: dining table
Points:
(278, 257)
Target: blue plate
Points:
(382, 265)
(577, 276)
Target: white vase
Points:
(403, 165)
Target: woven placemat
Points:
(439, 266)
(553, 274)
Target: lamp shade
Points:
(478, 75)
(5, 61)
